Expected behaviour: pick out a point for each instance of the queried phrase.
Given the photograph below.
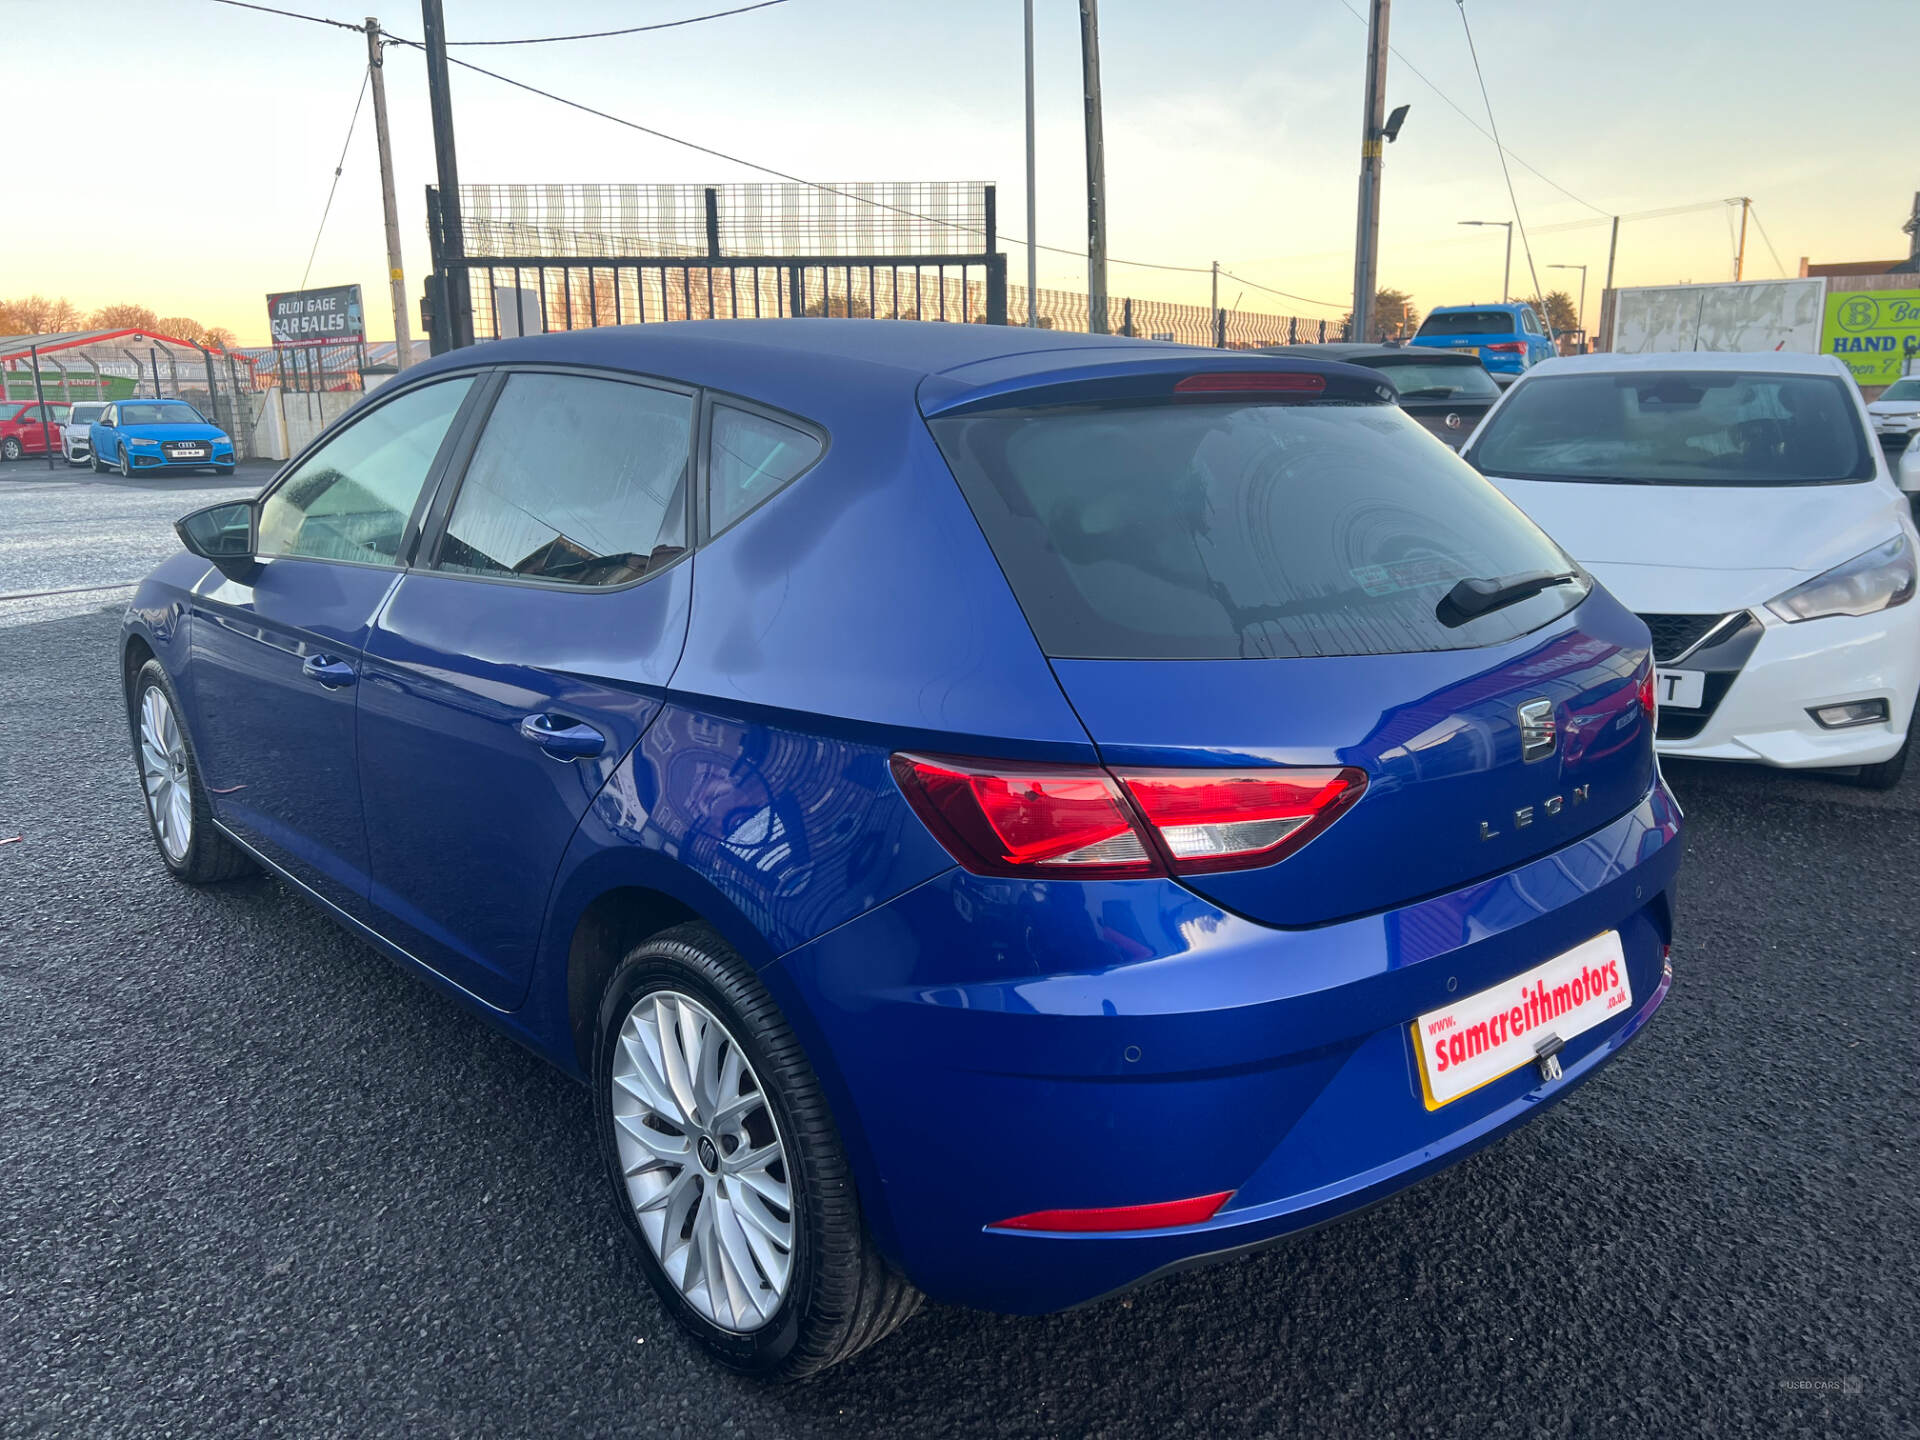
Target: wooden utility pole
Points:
(1096, 171)
(396, 277)
(1366, 245)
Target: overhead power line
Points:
(629, 30)
(741, 160)
(1754, 211)
(1501, 151)
(293, 15)
(366, 76)
(1452, 103)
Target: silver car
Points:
(76, 441)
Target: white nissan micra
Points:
(1742, 507)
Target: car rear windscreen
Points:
(1677, 427)
(1242, 530)
(1468, 322)
(1438, 380)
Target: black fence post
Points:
(713, 223)
(40, 395)
(434, 310)
(996, 263)
(796, 292)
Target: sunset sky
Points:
(190, 145)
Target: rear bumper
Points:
(1189, 1052)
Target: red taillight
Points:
(1073, 821)
(1648, 704)
(1213, 820)
(1506, 347)
(1215, 382)
(1161, 1216)
(1010, 819)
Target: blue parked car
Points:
(992, 814)
(1509, 339)
(163, 435)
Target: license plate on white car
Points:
(1682, 689)
(1478, 1039)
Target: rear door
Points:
(1252, 581)
(515, 666)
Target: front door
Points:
(276, 663)
(518, 663)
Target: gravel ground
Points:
(257, 1181)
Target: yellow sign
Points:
(1873, 332)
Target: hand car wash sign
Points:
(317, 317)
(1874, 332)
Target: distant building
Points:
(1850, 268)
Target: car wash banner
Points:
(317, 317)
(1874, 333)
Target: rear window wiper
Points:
(1474, 597)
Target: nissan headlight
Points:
(1877, 580)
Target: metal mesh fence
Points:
(917, 217)
(580, 295)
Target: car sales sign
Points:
(317, 317)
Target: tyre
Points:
(1887, 773)
(126, 463)
(177, 809)
(11, 449)
(727, 1168)
(93, 463)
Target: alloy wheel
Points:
(705, 1168)
(163, 770)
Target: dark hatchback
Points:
(1446, 393)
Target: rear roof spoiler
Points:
(1076, 378)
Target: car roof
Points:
(1780, 361)
(795, 363)
(1482, 305)
(1355, 352)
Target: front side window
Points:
(1677, 427)
(577, 481)
(1243, 530)
(351, 498)
(751, 458)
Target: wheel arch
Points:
(619, 897)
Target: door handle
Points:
(563, 738)
(328, 671)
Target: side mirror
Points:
(104, 423)
(223, 534)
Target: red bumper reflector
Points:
(1161, 1216)
(1219, 381)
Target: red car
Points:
(21, 430)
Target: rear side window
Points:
(751, 458)
(1468, 322)
(1678, 427)
(576, 481)
(1224, 531)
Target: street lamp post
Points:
(1506, 275)
(1580, 315)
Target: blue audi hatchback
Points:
(992, 814)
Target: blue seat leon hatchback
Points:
(992, 814)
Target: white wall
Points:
(1737, 317)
